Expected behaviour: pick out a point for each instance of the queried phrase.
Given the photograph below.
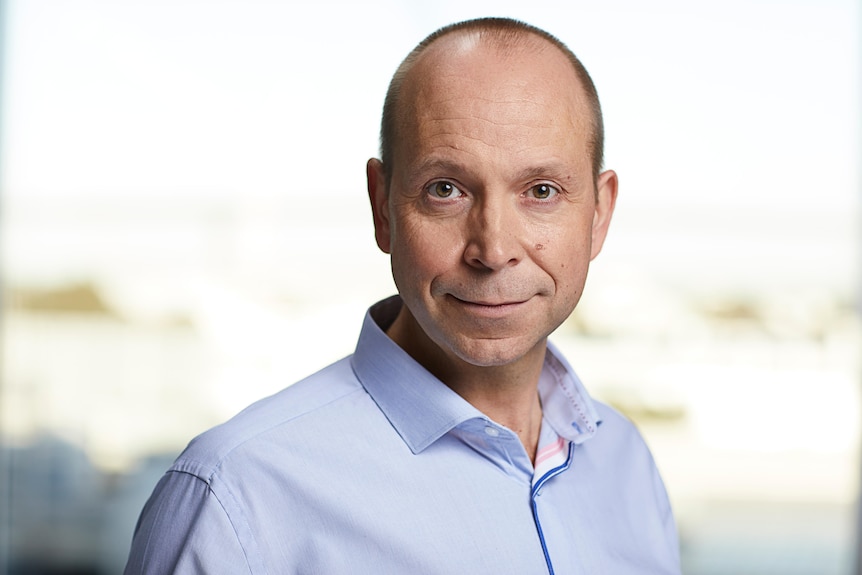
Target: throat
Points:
(523, 415)
(506, 393)
(528, 430)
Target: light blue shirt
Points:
(374, 466)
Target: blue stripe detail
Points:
(542, 539)
(535, 507)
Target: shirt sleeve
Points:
(671, 535)
(184, 528)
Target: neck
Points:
(514, 404)
(507, 394)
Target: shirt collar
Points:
(566, 405)
(422, 408)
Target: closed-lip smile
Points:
(487, 302)
(486, 307)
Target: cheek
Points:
(566, 258)
(421, 252)
(564, 249)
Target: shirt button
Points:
(492, 431)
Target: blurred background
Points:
(183, 229)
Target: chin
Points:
(492, 353)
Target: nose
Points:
(493, 235)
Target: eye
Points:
(443, 190)
(543, 191)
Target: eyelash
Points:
(455, 192)
(553, 190)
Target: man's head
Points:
(506, 33)
(489, 203)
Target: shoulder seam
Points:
(214, 467)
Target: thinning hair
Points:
(505, 33)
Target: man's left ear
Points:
(606, 199)
(378, 196)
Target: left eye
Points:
(444, 190)
(543, 191)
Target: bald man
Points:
(455, 439)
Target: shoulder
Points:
(206, 494)
(176, 529)
(613, 419)
(618, 441)
(617, 427)
(309, 399)
(621, 451)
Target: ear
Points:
(606, 199)
(379, 197)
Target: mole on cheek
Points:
(540, 247)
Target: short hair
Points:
(505, 31)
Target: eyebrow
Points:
(438, 164)
(553, 169)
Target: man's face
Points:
(492, 215)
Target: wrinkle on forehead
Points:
(468, 96)
(503, 40)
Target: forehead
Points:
(507, 88)
(495, 63)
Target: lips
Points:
(489, 303)
(487, 308)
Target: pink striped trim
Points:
(549, 451)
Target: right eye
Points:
(443, 190)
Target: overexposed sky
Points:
(704, 101)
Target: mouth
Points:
(488, 307)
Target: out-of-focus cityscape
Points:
(750, 401)
(149, 292)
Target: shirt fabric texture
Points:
(374, 466)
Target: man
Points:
(455, 439)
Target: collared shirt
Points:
(374, 466)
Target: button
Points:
(492, 431)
